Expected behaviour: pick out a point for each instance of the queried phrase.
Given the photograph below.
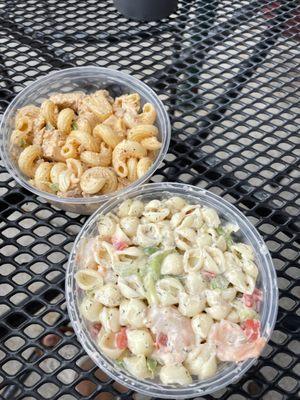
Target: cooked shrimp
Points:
(232, 343)
(176, 329)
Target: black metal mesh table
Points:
(227, 72)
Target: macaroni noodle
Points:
(28, 160)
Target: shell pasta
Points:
(115, 141)
(174, 289)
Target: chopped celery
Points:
(150, 250)
(74, 126)
(247, 313)
(155, 263)
(231, 228)
(228, 240)
(219, 282)
(120, 363)
(227, 236)
(220, 230)
(152, 275)
(151, 365)
(54, 187)
(149, 285)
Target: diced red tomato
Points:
(118, 244)
(251, 329)
(121, 339)
(253, 300)
(207, 274)
(236, 343)
(95, 329)
(161, 340)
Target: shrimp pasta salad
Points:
(77, 145)
(167, 292)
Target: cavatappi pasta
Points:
(112, 142)
(167, 291)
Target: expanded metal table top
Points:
(227, 73)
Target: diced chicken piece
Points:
(98, 103)
(126, 103)
(68, 100)
(117, 124)
(38, 137)
(53, 140)
(177, 330)
(232, 343)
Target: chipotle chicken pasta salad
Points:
(168, 291)
(82, 145)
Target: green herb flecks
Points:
(219, 282)
(74, 126)
(22, 142)
(150, 250)
(247, 313)
(152, 366)
(120, 363)
(54, 187)
(227, 236)
(220, 231)
(228, 240)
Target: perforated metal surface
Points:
(227, 71)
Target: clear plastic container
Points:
(86, 79)
(267, 282)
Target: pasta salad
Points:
(168, 292)
(79, 145)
